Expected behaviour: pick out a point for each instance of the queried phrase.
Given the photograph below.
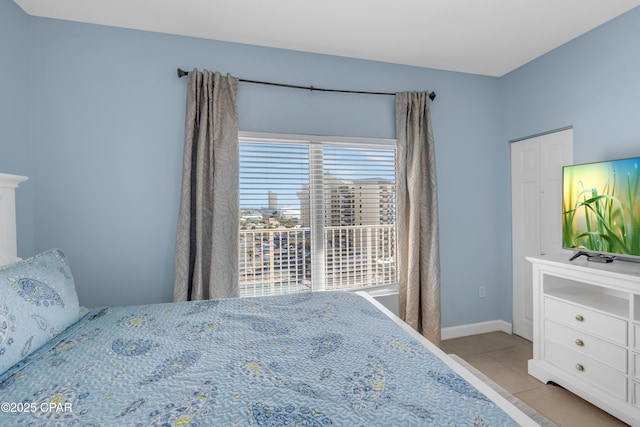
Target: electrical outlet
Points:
(482, 291)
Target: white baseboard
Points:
(476, 328)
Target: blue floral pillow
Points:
(37, 301)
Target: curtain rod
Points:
(432, 95)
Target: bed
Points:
(308, 359)
(316, 359)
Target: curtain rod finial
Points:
(182, 73)
(432, 95)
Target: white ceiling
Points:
(490, 37)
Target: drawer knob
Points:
(579, 318)
(579, 367)
(579, 343)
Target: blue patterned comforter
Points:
(321, 359)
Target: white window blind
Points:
(316, 214)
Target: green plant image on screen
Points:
(601, 207)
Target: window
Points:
(316, 213)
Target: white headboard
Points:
(8, 185)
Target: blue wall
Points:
(15, 126)
(592, 83)
(97, 124)
(106, 117)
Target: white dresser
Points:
(586, 331)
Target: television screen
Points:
(601, 207)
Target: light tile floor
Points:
(503, 358)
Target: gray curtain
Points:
(417, 222)
(206, 260)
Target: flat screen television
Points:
(601, 208)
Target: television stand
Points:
(586, 331)
(593, 257)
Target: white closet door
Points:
(536, 207)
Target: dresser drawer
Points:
(636, 365)
(583, 343)
(593, 322)
(636, 394)
(636, 337)
(587, 369)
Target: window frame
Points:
(316, 207)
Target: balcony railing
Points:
(276, 261)
(359, 256)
